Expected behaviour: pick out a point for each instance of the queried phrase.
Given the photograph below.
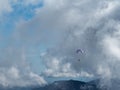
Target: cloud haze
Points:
(14, 68)
(93, 28)
(64, 26)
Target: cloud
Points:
(32, 2)
(14, 68)
(56, 68)
(92, 28)
(74, 23)
(15, 71)
(64, 26)
(11, 77)
(5, 6)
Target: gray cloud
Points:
(5, 6)
(91, 25)
(14, 68)
(71, 25)
(92, 28)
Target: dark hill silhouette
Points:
(69, 85)
(72, 85)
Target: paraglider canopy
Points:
(79, 51)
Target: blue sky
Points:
(7, 28)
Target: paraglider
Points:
(79, 51)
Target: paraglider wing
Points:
(79, 51)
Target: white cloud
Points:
(57, 69)
(5, 6)
(91, 25)
(112, 44)
(83, 27)
(10, 77)
(14, 73)
(104, 71)
(14, 69)
(39, 79)
(107, 7)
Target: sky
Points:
(39, 39)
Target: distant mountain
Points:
(112, 84)
(69, 85)
(97, 84)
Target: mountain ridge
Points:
(71, 85)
